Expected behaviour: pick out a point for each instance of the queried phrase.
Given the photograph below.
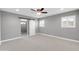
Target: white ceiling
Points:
(28, 12)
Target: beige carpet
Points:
(39, 43)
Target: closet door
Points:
(32, 27)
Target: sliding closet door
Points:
(32, 27)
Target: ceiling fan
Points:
(40, 11)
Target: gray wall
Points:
(53, 26)
(37, 25)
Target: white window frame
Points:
(67, 21)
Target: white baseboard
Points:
(60, 37)
(10, 39)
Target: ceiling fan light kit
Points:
(39, 11)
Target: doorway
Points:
(24, 27)
(28, 27)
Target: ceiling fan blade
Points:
(41, 9)
(33, 10)
(44, 12)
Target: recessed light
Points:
(17, 10)
(61, 8)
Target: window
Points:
(68, 21)
(42, 23)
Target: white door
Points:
(32, 28)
